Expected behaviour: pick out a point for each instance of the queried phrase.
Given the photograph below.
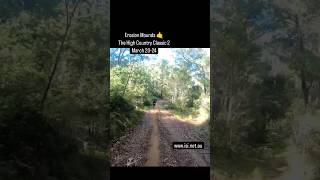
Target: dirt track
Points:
(150, 143)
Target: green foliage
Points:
(270, 101)
(250, 103)
(40, 8)
(118, 103)
(131, 81)
(123, 115)
(31, 147)
(136, 80)
(47, 144)
(312, 63)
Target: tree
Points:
(238, 70)
(70, 12)
(269, 103)
(75, 98)
(299, 37)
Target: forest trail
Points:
(150, 143)
(300, 165)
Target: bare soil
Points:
(150, 143)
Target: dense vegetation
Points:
(182, 80)
(53, 89)
(265, 85)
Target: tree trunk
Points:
(229, 116)
(58, 55)
(301, 66)
(120, 56)
(57, 59)
(230, 103)
(125, 87)
(305, 89)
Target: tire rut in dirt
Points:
(154, 151)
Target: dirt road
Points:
(150, 143)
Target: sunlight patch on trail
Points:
(198, 120)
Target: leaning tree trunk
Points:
(60, 50)
(302, 66)
(305, 89)
(128, 80)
